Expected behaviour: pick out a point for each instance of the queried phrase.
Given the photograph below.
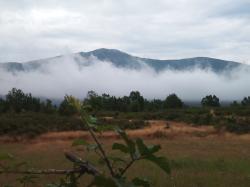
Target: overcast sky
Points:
(165, 29)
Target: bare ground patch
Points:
(156, 129)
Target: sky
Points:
(162, 29)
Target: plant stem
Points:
(105, 158)
(42, 172)
(127, 167)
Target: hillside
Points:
(123, 60)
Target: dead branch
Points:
(82, 167)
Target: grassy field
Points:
(221, 161)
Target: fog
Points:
(64, 76)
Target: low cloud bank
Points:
(65, 76)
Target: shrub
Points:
(238, 126)
(210, 101)
(69, 106)
(173, 101)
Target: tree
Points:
(246, 101)
(3, 106)
(210, 101)
(31, 103)
(16, 100)
(234, 104)
(173, 101)
(47, 107)
(69, 106)
(154, 105)
(136, 101)
(94, 100)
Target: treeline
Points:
(23, 114)
(18, 101)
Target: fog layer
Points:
(65, 76)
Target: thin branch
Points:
(105, 158)
(127, 167)
(43, 172)
(83, 167)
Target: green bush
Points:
(238, 126)
(123, 123)
(32, 124)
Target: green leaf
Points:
(141, 146)
(101, 128)
(92, 120)
(102, 181)
(130, 143)
(78, 142)
(121, 147)
(86, 108)
(154, 148)
(146, 150)
(93, 126)
(101, 161)
(6, 156)
(27, 179)
(141, 182)
(116, 159)
(161, 162)
(91, 147)
(52, 185)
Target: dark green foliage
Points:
(3, 106)
(234, 104)
(246, 101)
(18, 101)
(69, 106)
(47, 107)
(141, 182)
(94, 100)
(173, 101)
(154, 105)
(136, 150)
(136, 101)
(123, 123)
(238, 126)
(210, 101)
(32, 124)
(128, 112)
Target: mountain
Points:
(124, 60)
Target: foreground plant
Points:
(117, 167)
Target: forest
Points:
(22, 114)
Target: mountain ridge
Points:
(122, 59)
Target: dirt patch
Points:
(156, 129)
(155, 126)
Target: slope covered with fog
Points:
(98, 70)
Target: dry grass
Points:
(156, 127)
(217, 161)
(199, 155)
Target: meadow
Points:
(204, 146)
(198, 156)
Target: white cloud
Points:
(63, 76)
(157, 29)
